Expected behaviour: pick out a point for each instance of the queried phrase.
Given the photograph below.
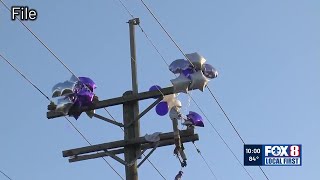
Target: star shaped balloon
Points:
(76, 92)
(194, 73)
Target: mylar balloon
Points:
(181, 84)
(209, 71)
(162, 108)
(197, 60)
(187, 72)
(63, 105)
(177, 66)
(199, 81)
(76, 92)
(88, 82)
(195, 119)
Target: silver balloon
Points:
(199, 81)
(174, 113)
(64, 105)
(74, 79)
(197, 60)
(181, 84)
(178, 65)
(209, 71)
(62, 89)
(174, 103)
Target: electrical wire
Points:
(234, 128)
(66, 68)
(61, 62)
(151, 42)
(145, 5)
(199, 152)
(28, 80)
(5, 175)
(188, 93)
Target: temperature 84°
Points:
(253, 158)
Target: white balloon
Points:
(181, 84)
(199, 81)
(196, 59)
(175, 103)
(169, 98)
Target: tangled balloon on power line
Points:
(74, 93)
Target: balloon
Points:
(169, 98)
(174, 103)
(84, 98)
(209, 71)
(64, 105)
(88, 82)
(155, 88)
(177, 66)
(162, 108)
(63, 88)
(195, 118)
(76, 93)
(181, 84)
(197, 60)
(199, 81)
(187, 72)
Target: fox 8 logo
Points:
(282, 150)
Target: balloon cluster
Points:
(76, 92)
(194, 73)
(167, 103)
(172, 104)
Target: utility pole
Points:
(133, 146)
(131, 110)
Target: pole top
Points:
(134, 21)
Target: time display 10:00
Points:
(255, 151)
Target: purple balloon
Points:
(88, 82)
(155, 88)
(162, 108)
(209, 71)
(178, 65)
(195, 118)
(187, 72)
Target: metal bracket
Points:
(108, 120)
(147, 156)
(145, 111)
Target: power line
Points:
(151, 42)
(40, 40)
(193, 65)
(188, 93)
(199, 152)
(61, 62)
(225, 114)
(68, 70)
(17, 70)
(221, 138)
(5, 175)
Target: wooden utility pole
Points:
(131, 110)
(133, 146)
